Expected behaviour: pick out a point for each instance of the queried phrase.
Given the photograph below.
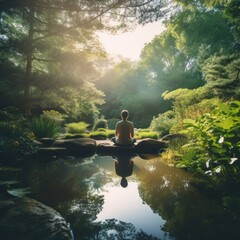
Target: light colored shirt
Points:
(124, 132)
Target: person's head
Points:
(124, 114)
(124, 182)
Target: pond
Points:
(124, 197)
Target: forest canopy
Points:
(51, 54)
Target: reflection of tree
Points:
(112, 229)
(188, 214)
(62, 185)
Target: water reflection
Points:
(123, 167)
(159, 202)
(188, 213)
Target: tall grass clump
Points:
(44, 127)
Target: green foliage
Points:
(98, 135)
(100, 123)
(214, 148)
(163, 123)
(76, 135)
(146, 134)
(16, 142)
(222, 74)
(112, 123)
(45, 127)
(79, 127)
(54, 115)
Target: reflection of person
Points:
(124, 168)
(124, 131)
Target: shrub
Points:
(142, 135)
(77, 135)
(100, 123)
(214, 148)
(98, 135)
(112, 123)
(143, 130)
(53, 115)
(163, 123)
(79, 127)
(43, 127)
(16, 142)
(102, 130)
(110, 133)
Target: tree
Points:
(222, 74)
(47, 37)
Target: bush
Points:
(112, 123)
(143, 130)
(110, 133)
(43, 127)
(98, 135)
(163, 123)
(79, 127)
(53, 115)
(142, 135)
(214, 148)
(77, 135)
(16, 142)
(100, 123)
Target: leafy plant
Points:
(79, 127)
(215, 143)
(16, 142)
(44, 127)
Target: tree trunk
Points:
(29, 60)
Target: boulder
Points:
(27, 219)
(78, 146)
(48, 153)
(151, 146)
(47, 142)
(112, 149)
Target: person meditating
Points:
(124, 132)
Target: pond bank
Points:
(88, 147)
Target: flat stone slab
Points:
(109, 148)
(147, 146)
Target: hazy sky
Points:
(130, 44)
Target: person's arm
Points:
(117, 131)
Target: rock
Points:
(150, 146)
(47, 142)
(112, 149)
(77, 147)
(27, 219)
(48, 153)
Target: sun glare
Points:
(130, 44)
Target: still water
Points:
(125, 197)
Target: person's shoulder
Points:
(119, 122)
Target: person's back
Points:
(124, 129)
